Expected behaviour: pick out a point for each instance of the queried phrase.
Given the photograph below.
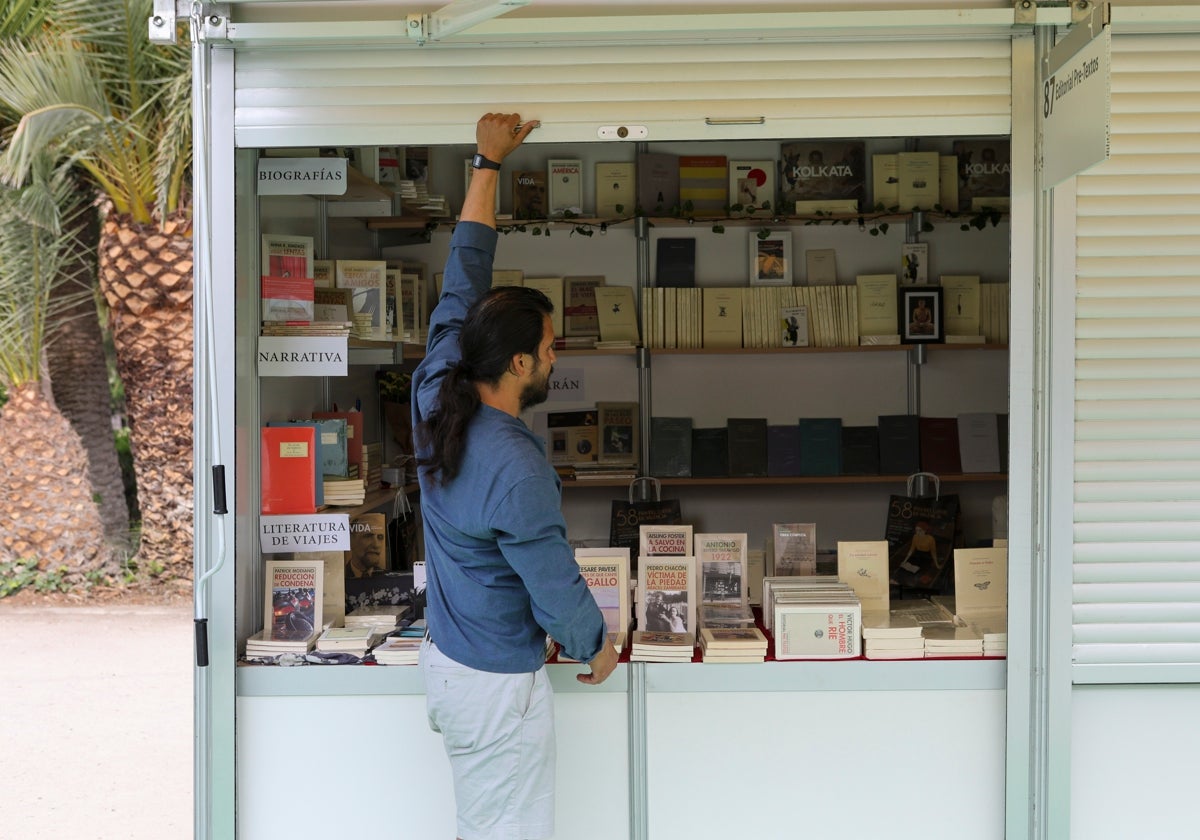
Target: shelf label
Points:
(1075, 117)
(567, 385)
(304, 532)
(302, 355)
(302, 176)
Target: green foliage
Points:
(20, 574)
(125, 459)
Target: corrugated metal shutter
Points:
(1137, 398)
(401, 94)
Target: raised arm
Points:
(496, 135)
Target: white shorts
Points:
(498, 731)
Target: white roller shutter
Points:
(1137, 380)
(396, 94)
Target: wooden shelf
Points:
(374, 500)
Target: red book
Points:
(939, 446)
(354, 434)
(288, 469)
(287, 298)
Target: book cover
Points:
(983, 172)
(620, 443)
(816, 631)
(564, 178)
(948, 183)
(354, 433)
(703, 188)
(288, 469)
(863, 566)
(939, 446)
(722, 318)
(616, 190)
(317, 453)
(783, 451)
(334, 458)
(914, 263)
(885, 182)
(671, 447)
(820, 267)
(574, 436)
(795, 545)
(606, 572)
(747, 447)
(980, 581)
(979, 442)
(287, 256)
(293, 607)
(667, 594)
(899, 444)
(918, 180)
(552, 288)
(877, 304)
(664, 540)
(960, 303)
(721, 561)
(322, 273)
(794, 324)
(675, 262)
(710, 452)
(771, 259)
(368, 552)
(529, 194)
(287, 298)
(616, 313)
(657, 183)
(820, 445)
(752, 186)
(860, 450)
(333, 305)
(579, 307)
(367, 281)
(822, 170)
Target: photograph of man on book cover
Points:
(666, 611)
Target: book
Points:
(820, 267)
(917, 173)
(354, 433)
(747, 439)
(552, 288)
(703, 188)
(795, 545)
(288, 469)
(367, 281)
(939, 446)
(914, 263)
(820, 445)
(783, 450)
(616, 313)
(818, 629)
(664, 540)
(885, 182)
(353, 640)
(564, 178)
(606, 572)
(334, 454)
(293, 599)
(980, 582)
(899, 444)
(671, 447)
(322, 273)
(794, 326)
(721, 562)
(675, 262)
(657, 183)
(666, 594)
(722, 318)
(616, 190)
(579, 305)
(333, 305)
(574, 436)
(960, 303)
(619, 441)
(877, 304)
(820, 171)
(752, 186)
(983, 173)
(979, 442)
(287, 298)
(771, 259)
(368, 552)
(948, 183)
(285, 255)
(863, 566)
(860, 450)
(710, 452)
(529, 194)
(658, 646)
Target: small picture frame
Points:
(771, 259)
(921, 319)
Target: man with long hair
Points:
(500, 571)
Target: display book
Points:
(979, 606)
(295, 301)
(292, 608)
(606, 572)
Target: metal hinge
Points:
(164, 22)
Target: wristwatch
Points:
(480, 162)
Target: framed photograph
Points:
(921, 315)
(771, 259)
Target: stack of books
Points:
(892, 635)
(655, 646)
(416, 200)
(943, 642)
(398, 650)
(732, 644)
(382, 618)
(725, 616)
(344, 492)
(354, 640)
(993, 627)
(262, 646)
(372, 466)
(813, 617)
(332, 329)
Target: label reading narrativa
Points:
(302, 355)
(304, 532)
(295, 449)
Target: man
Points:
(368, 545)
(500, 572)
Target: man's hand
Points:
(603, 664)
(496, 135)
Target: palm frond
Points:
(23, 18)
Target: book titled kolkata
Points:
(703, 184)
(288, 469)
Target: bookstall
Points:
(275, 79)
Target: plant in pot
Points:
(395, 391)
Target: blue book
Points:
(671, 447)
(333, 447)
(783, 451)
(820, 445)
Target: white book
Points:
(606, 572)
(877, 304)
(551, 287)
(980, 581)
(752, 186)
(817, 631)
(960, 303)
(863, 566)
(564, 184)
(979, 442)
(616, 313)
(616, 190)
(664, 540)
(667, 594)
(367, 280)
(721, 559)
(821, 266)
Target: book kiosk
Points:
(786, 738)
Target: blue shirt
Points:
(500, 572)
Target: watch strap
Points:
(480, 162)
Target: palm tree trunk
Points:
(146, 277)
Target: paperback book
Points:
(292, 606)
(830, 171)
(721, 559)
(606, 572)
(667, 594)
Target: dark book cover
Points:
(529, 194)
(939, 446)
(657, 183)
(820, 445)
(783, 451)
(710, 453)
(747, 446)
(1002, 434)
(671, 447)
(826, 169)
(983, 171)
(675, 263)
(899, 444)
(860, 450)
